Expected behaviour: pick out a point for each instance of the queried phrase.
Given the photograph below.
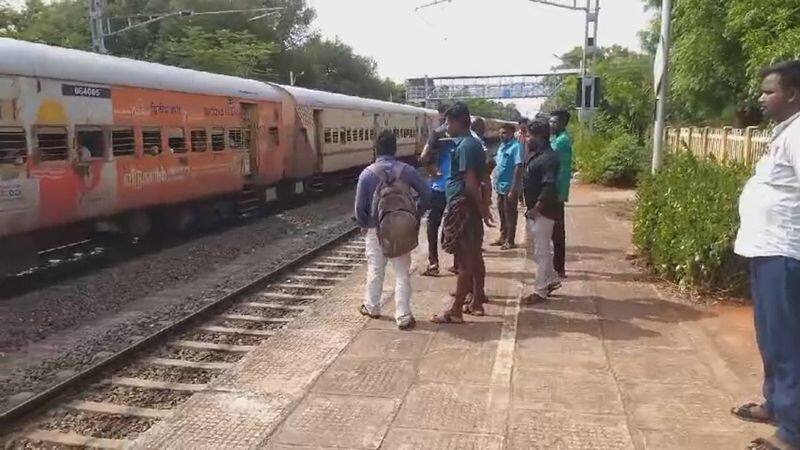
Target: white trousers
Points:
(376, 269)
(540, 234)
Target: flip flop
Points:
(365, 312)
(474, 311)
(773, 443)
(744, 412)
(447, 317)
(431, 272)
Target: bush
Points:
(613, 157)
(686, 222)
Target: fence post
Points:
(726, 132)
(706, 132)
(748, 145)
(689, 141)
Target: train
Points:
(92, 142)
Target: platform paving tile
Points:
(579, 391)
(410, 439)
(567, 431)
(667, 407)
(449, 407)
(390, 344)
(338, 421)
(458, 365)
(217, 420)
(371, 377)
(659, 365)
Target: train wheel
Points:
(207, 217)
(181, 219)
(226, 208)
(138, 225)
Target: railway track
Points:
(109, 404)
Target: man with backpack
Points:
(386, 210)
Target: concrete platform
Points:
(611, 363)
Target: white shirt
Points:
(769, 207)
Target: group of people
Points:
(532, 166)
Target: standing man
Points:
(437, 152)
(368, 202)
(466, 213)
(769, 235)
(541, 200)
(562, 144)
(507, 182)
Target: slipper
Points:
(744, 412)
(532, 299)
(476, 311)
(365, 312)
(453, 270)
(432, 271)
(554, 286)
(447, 317)
(773, 443)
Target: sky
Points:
(471, 37)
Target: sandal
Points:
(745, 412)
(365, 312)
(476, 311)
(773, 443)
(431, 271)
(532, 299)
(453, 270)
(447, 317)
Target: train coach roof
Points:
(322, 99)
(21, 58)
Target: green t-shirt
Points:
(468, 155)
(562, 145)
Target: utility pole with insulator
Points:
(661, 80)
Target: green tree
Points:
(63, 23)
(223, 51)
(493, 109)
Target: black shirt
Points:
(539, 182)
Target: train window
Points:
(123, 142)
(236, 138)
(52, 143)
(361, 134)
(177, 140)
(151, 141)
(328, 136)
(372, 134)
(348, 135)
(334, 136)
(342, 136)
(217, 139)
(396, 132)
(274, 136)
(13, 146)
(90, 141)
(198, 137)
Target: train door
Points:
(319, 133)
(250, 137)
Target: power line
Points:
(100, 25)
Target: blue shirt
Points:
(509, 157)
(368, 183)
(444, 145)
(468, 155)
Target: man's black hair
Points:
(508, 126)
(442, 108)
(787, 71)
(562, 116)
(459, 111)
(387, 143)
(523, 121)
(540, 128)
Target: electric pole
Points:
(661, 79)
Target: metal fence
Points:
(744, 145)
